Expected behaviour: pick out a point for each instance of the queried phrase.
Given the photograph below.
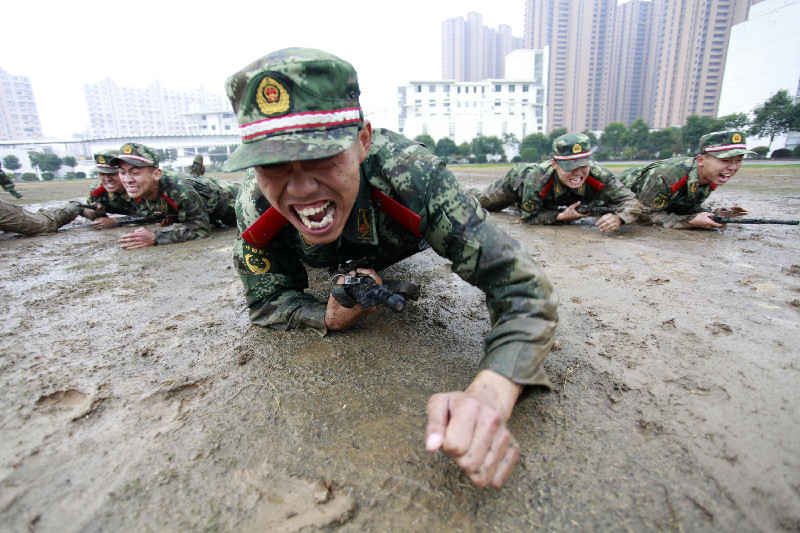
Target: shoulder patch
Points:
(660, 200)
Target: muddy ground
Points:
(135, 395)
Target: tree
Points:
(734, 121)
(510, 141)
(49, 162)
(11, 162)
(613, 137)
(529, 154)
(662, 141)
(696, 126)
(464, 149)
(592, 138)
(638, 134)
(446, 147)
(427, 140)
(33, 157)
(70, 162)
(774, 117)
(536, 141)
(487, 145)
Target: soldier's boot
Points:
(14, 193)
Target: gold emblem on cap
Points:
(577, 149)
(100, 159)
(736, 138)
(127, 149)
(272, 98)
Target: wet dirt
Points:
(136, 396)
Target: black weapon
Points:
(736, 220)
(363, 290)
(127, 220)
(592, 210)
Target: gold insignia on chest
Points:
(364, 225)
(272, 98)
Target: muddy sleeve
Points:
(500, 194)
(192, 213)
(655, 198)
(274, 281)
(623, 199)
(542, 215)
(521, 301)
(668, 220)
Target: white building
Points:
(762, 59)
(209, 122)
(19, 118)
(463, 110)
(116, 111)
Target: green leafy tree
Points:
(538, 142)
(761, 150)
(593, 141)
(11, 162)
(773, 117)
(613, 137)
(510, 140)
(487, 145)
(664, 140)
(49, 163)
(70, 162)
(529, 154)
(558, 132)
(427, 140)
(33, 157)
(696, 126)
(796, 151)
(464, 149)
(734, 121)
(638, 135)
(446, 147)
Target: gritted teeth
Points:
(304, 214)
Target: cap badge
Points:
(736, 138)
(272, 98)
(576, 149)
(100, 159)
(127, 149)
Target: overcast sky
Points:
(185, 45)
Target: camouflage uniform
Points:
(8, 184)
(540, 194)
(14, 219)
(671, 190)
(522, 303)
(196, 202)
(117, 203)
(197, 168)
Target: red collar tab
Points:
(546, 189)
(265, 228)
(713, 186)
(98, 192)
(394, 209)
(170, 202)
(595, 183)
(678, 185)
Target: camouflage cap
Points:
(137, 155)
(724, 144)
(102, 161)
(292, 105)
(572, 150)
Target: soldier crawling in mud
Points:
(108, 195)
(194, 202)
(8, 184)
(673, 190)
(351, 193)
(569, 186)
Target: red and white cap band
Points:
(104, 165)
(725, 147)
(135, 157)
(300, 121)
(574, 156)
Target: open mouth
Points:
(724, 177)
(316, 218)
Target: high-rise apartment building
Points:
(473, 52)
(19, 118)
(116, 111)
(619, 60)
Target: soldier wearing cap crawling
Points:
(672, 190)
(108, 195)
(198, 168)
(194, 202)
(551, 192)
(325, 189)
(8, 184)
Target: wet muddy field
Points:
(135, 395)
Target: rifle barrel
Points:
(735, 220)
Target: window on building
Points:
(524, 88)
(497, 87)
(418, 89)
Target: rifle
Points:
(590, 209)
(736, 220)
(363, 290)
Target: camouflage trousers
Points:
(14, 219)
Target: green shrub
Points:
(47, 176)
(796, 151)
(482, 158)
(69, 176)
(80, 175)
(517, 159)
(529, 154)
(761, 150)
(665, 154)
(642, 155)
(781, 153)
(29, 176)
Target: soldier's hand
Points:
(138, 239)
(704, 220)
(609, 222)
(166, 221)
(470, 428)
(730, 212)
(570, 213)
(103, 223)
(338, 317)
